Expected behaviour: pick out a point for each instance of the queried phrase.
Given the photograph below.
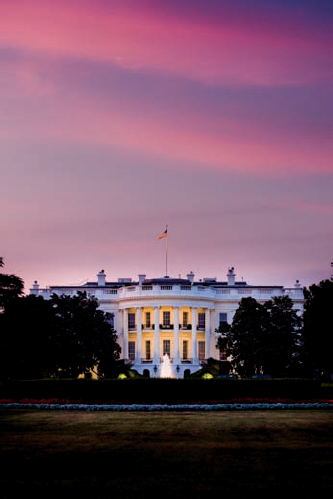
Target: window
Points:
(131, 350)
(166, 318)
(148, 323)
(185, 319)
(131, 320)
(148, 353)
(201, 349)
(223, 318)
(201, 320)
(166, 347)
(185, 349)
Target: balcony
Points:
(148, 327)
(146, 361)
(186, 361)
(166, 326)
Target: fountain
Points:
(166, 369)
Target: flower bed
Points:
(239, 404)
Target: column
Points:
(176, 359)
(125, 338)
(207, 336)
(138, 335)
(194, 336)
(157, 336)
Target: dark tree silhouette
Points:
(317, 331)
(263, 338)
(63, 336)
(11, 286)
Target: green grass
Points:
(178, 455)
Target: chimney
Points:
(101, 278)
(190, 277)
(142, 277)
(231, 276)
(35, 288)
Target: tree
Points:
(263, 338)
(245, 340)
(83, 336)
(67, 335)
(11, 286)
(26, 349)
(283, 338)
(317, 330)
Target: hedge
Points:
(157, 391)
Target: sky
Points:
(214, 117)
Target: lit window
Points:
(131, 350)
(201, 320)
(166, 318)
(148, 353)
(185, 349)
(131, 320)
(166, 347)
(148, 323)
(201, 349)
(185, 319)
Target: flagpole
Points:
(166, 253)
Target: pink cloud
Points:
(140, 38)
(240, 146)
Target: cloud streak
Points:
(264, 52)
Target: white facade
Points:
(169, 315)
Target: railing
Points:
(186, 361)
(146, 361)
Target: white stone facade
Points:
(171, 315)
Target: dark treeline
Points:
(63, 336)
(273, 339)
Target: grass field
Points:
(175, 455)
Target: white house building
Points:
(172, 316)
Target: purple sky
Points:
(118, 117)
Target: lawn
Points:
(178, 455)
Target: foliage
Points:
(317, 331)
(11, 287)
(61, 336)
(263, 338)
(214, 368)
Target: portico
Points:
(181, 331)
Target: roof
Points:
(167, 281)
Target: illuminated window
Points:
(148, 352)
(201, 320)
(131, 350)
(201, 349)
(166, 347)
(185, 349)
(148, 323)
(166, 318)
(185, 319)
(131, 320)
